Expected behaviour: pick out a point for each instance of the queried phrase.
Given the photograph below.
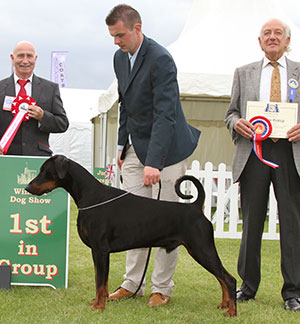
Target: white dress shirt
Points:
(266, 75)
(28, 85)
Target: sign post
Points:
(34, 230)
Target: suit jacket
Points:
(246, 85)
(32, 137)
(150, 109)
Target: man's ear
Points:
(138, 27)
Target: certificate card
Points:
(282, 115)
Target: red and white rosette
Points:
(263, 129)
(19, 109)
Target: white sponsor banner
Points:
(58, 68)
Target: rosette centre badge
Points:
(263, 127)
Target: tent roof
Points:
(80, 104)
(220, 36)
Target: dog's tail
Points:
(201, 193)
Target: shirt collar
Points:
(133, 57)
(281, 61)
(16, 78)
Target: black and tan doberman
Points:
(109, 221)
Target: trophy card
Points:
(282, 115)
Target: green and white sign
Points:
(34, 230)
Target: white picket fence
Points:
(222, 203)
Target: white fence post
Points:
(220, 212)
(218, 187)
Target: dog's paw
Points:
(223, 305)
(230, 313)
(98, 307)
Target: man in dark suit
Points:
(48, 116)
(154, 139)
(253, 83)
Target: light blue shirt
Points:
(133, 57)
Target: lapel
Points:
(292, 73)
(124, 72)
(10, 89)
(138, 62)
(255, 76)
(36, 88)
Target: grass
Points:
(195, 296)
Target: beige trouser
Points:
(165, 263)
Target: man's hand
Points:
(293, 134)
(120, 162)
(151, 176)
(244, 128)
(1, 150)
(35, 112)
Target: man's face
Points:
(24, 58)
(128, 40)
(273, 40)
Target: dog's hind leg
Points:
(101, 263)
(228, 301)
(200, 245)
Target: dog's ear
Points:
(61, 165)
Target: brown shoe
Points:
(157, 299)
(119, 294)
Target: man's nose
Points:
(25, 59)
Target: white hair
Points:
(287, 30)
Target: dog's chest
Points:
(83, 232)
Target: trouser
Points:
(254, 184)
(165, 263)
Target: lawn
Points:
(195, 296)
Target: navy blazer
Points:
(32, 139)
(150, 108)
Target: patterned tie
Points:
(275, 95)
(22, 91)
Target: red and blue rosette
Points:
(19, 109)
(263, 129)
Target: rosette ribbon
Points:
(19, 109)
(263, 129)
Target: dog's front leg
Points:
(101, 263)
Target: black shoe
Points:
(292, 304)
(242, 297)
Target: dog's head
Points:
(52, 173)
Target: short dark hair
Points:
(123, 12)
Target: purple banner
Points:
(58, 68)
